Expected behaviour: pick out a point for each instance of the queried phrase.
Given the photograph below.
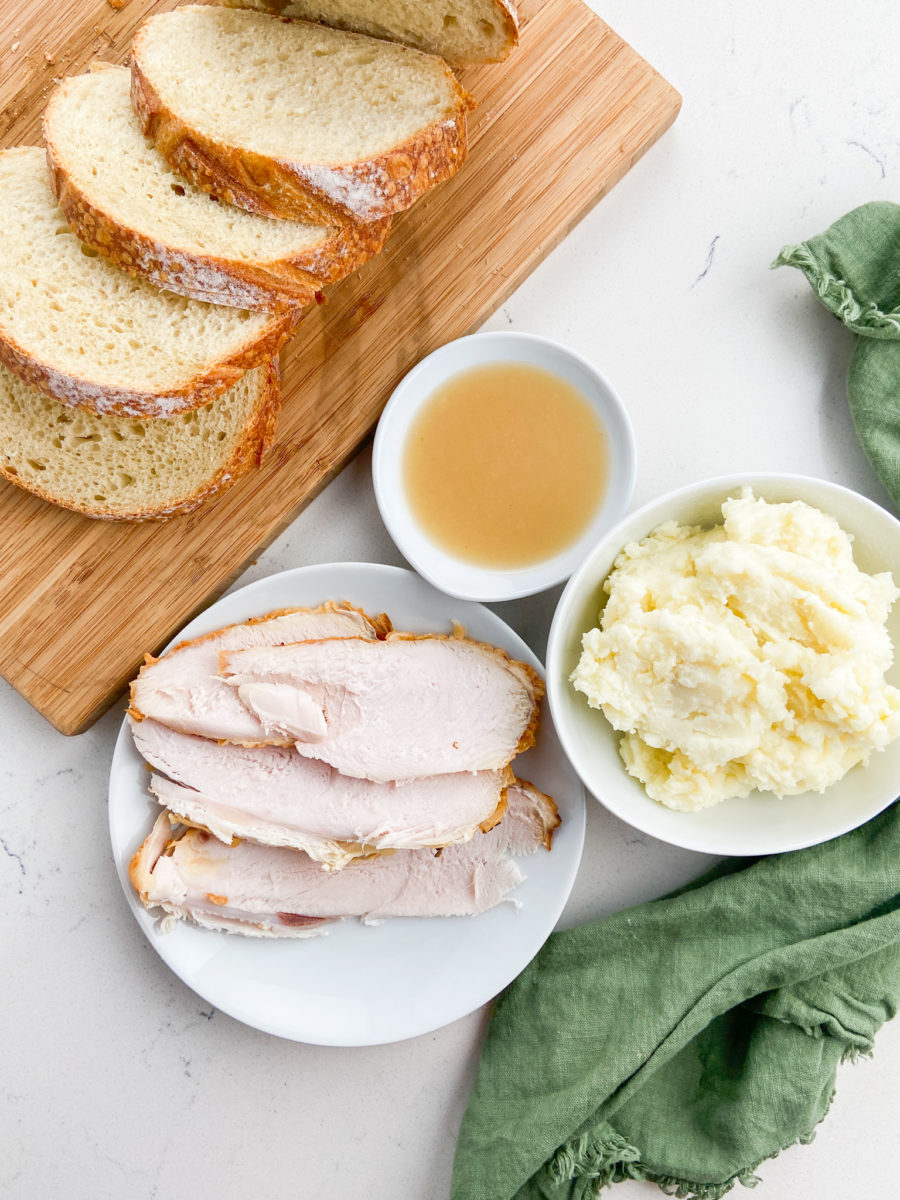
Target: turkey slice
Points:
(271, 794)
(393, 709)
(267, 891)
(183, 689)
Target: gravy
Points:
(505, 465)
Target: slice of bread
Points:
(462, 32)
(126, 469)
(75, 326)
(121, 197)
(291, 119)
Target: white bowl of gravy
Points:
(498, 463)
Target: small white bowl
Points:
(760, 823)
(453, 575)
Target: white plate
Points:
(359, 985)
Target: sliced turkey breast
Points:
(273, 795)
(393, 709)
(183, 688)
(266, 891)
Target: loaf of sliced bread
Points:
(122, 198)
(75, 326)
(127, 469)
(292, 119)
(462, 32)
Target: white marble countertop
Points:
(117, 1081)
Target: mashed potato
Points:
(750, 655)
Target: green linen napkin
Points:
(854, 269)
(689, 1039)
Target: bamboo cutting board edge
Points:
(313, 449)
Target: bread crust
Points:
(340, 194)
(105, 399)
(259, 433)
(508, 15)
(276, 285)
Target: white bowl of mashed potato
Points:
(722, 669)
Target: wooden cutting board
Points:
(557, 126)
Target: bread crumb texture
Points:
(129, 469)
(76, 326)
(462, 32)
